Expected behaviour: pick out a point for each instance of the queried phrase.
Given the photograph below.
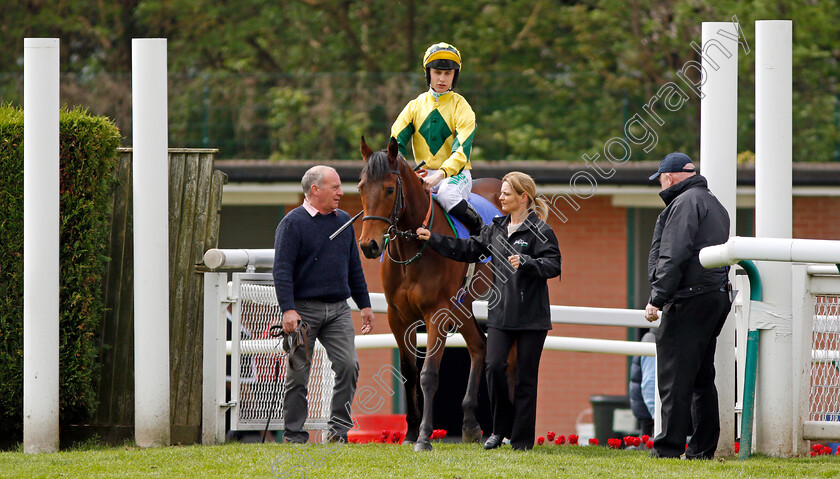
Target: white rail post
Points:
(151, 242)
(775, 409)
(213, 380)
(40, 244)
(803, 329)
(719, 159)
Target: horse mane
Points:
(378, 166)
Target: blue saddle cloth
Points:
(483, 206)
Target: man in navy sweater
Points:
(313, 277)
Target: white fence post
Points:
(150, 169)
(214, 357)
(40, 244)
(803, 326)
(718, 158)
(775, 427)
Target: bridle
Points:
(394, 218)
(393, 231)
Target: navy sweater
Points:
(307, 265)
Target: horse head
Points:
(383, 197)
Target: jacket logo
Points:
(521, 242)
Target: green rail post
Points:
(396, 402)
(751, 366)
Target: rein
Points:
(430, 216)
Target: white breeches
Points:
(450, 191)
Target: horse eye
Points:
(389, 190)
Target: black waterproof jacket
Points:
(693, 218)
(520, 296)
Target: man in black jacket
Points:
(694, 303)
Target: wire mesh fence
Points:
(261, 391)
(825, 366)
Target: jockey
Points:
(440, 125)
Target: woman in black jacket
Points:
(525, 255)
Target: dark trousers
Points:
(645, 427)
(332, 325)
(515, 419)
(685, 361)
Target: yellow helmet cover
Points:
(442, 51)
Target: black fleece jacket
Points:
(520, 296)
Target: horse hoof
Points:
(422, 446)
(471, 435)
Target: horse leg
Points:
(407, 345)
(408, 368)
(511, 371)
(477, 346)
(429, 376)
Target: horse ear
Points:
(365, 149)
(393, 149)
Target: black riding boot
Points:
(469, 216)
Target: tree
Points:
(304, 78)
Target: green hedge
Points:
(88, 156)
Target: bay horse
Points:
(421, 286)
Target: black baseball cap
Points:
(675, 162)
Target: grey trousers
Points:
(332, 325)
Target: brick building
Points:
(604, 227)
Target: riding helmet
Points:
(442, 56)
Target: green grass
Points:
(382, 460)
